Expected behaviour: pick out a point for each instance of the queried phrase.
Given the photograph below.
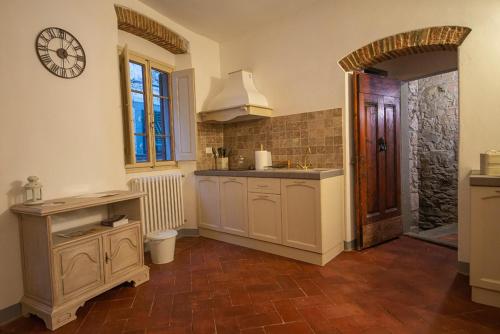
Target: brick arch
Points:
(404, 44)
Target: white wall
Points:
(295, 65)
(69, 132)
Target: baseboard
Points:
(463, 267)
(350, 245)
(294, 253)
(10, 313)
(188, 232)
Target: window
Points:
(149, 140)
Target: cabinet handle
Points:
(107, 258)
(299, 182)
(262, 186)
(263, 196)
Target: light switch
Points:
(208, 150)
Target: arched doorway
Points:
(404, 44)
(429, 41)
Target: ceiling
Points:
(223, 20)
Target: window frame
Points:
(148, 63)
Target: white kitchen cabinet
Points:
(207, 191)
(301, 214)
(485, 245)
(296, 218)
(233, 205)
(264, 217)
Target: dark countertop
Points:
(311, 174)
(476, 179)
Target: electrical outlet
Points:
(208, 150)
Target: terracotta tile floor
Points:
(404, 286)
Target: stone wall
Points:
(287, 137)
(413, 118)
(434, 149)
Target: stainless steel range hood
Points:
(238, 101)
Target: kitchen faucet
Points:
(306, 164)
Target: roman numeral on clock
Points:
(62, 72)
(45, 58)
(52, 33)
(42, 47)
(54, 68)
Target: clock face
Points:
(60, 53)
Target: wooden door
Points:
(377, 150)
(233, 205)
(123, 250)
(208, 198)
(301, 214)
(264, 217)
(78, 268)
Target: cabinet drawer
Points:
(264, 185)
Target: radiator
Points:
(162, 208)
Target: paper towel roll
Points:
(260, 160)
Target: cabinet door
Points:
(485, 237)
(301, 214)
(123, 250)
(78, 268)
(264, 217)
(233, 205)
(207, 191)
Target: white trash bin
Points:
(162, 246)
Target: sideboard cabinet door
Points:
(78, 268)
(122, 252)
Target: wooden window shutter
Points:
(127, 107)
(184, 109)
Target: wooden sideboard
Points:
(61, 273)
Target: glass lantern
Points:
(33, 191)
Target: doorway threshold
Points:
(430, 239)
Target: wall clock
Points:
(60, 52)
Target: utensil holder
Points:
(222, 163)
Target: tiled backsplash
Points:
(287, 137)
(209, 135)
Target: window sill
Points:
(139, 169)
